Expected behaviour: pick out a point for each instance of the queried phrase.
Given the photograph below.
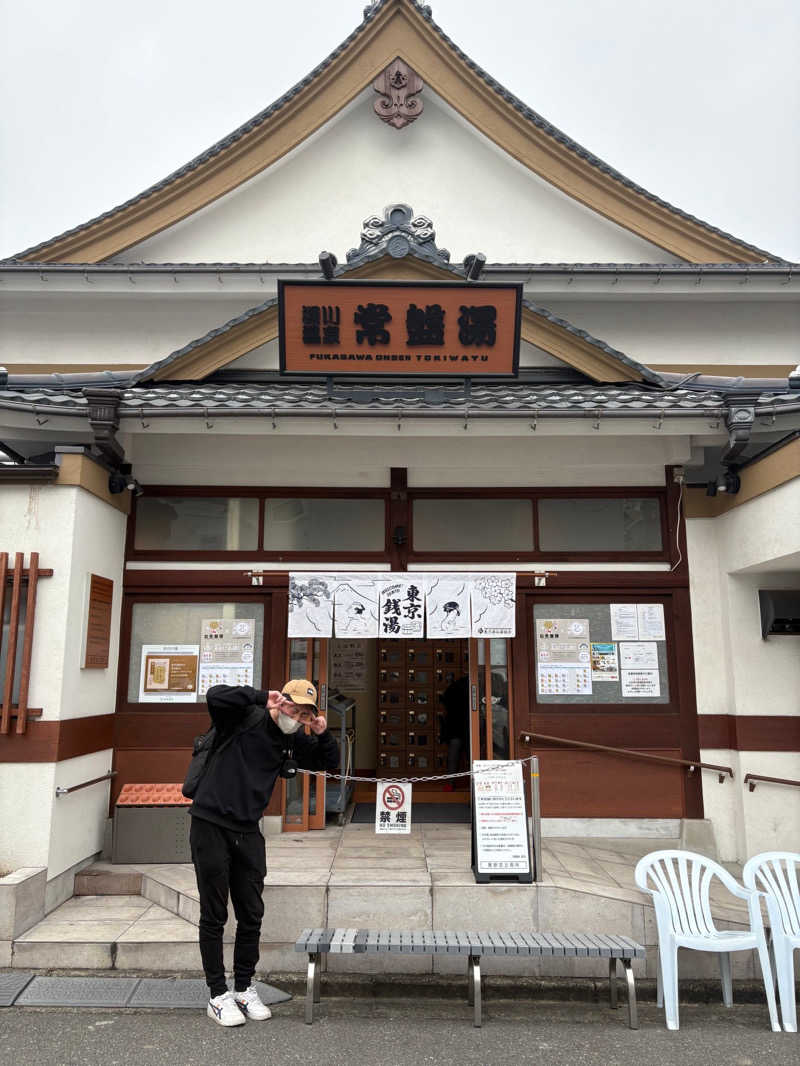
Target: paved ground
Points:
(397, 1033)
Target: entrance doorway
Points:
(419, 708)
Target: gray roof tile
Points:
(315, 397)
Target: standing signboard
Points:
(500, 841)
(393, 807)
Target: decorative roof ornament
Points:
(398, 86)
(399, 233)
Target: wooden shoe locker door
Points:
(303, 797)
(412, 675)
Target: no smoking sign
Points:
(393, 808)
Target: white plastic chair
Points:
(777, 875)
(679, 882)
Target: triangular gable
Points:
(391, 29)
(258, 326)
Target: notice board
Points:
(590, 659)
(500, 842)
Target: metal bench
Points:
(318, 942)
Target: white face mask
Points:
(287, 724)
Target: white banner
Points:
(366, 605)
(310, 605)
(447, 606)
(401, 608)
(355, 612)
(494, 605)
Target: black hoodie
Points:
(239, 780)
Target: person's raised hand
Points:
(275, 699)
(319, 725)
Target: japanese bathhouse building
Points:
(560, 459)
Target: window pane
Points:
(324, 525)
(594, 524)
(181, 623)
(196, 523)
(473, 525)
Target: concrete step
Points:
(106, 879)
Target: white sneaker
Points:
(224, 1011)
(249, 1003)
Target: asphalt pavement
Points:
(398, 1032)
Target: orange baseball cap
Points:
(300, 692)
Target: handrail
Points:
(95, 781)
(750, 781)
(691, 764)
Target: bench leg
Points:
(633, 1014)
(474, 988)
(312, 986)
(612, 984)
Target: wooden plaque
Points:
(399, 328)
(98, 622)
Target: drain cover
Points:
(184, 992)
(11, 984)
(78, 992)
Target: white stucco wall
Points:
(478, 198)
(738, 673)
(110, 329)
(691, 332)
(27, 794)
(75, 533)
(78, 820)
(456, 458)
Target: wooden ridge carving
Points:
(398, 87)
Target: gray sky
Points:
(696, 100)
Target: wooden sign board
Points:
(97, 639)
(399, 328)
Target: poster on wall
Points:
(563, 680)
(650, 617)
(401, 609)
(640, 684)
(605, 663)
(638, 655)
(348, 665)
(624, 621)
(355, 611)
(563, 657)
(493, 603)
(310, 605)
(500, 844)
(447, 607)
(227, 647)
(169, 673)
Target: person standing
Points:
(228, 849)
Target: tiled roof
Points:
(111, 267)
(516, 103)
(317, 397)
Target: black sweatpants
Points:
(225, 860)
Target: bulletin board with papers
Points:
(600, 653)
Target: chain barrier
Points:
(403, 780)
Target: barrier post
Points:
(536, 822)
